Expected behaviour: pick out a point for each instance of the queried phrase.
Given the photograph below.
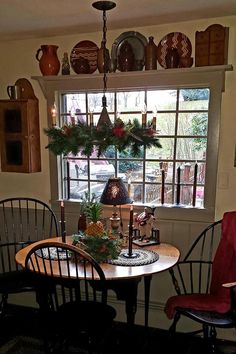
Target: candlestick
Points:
(130, 253)
(54, 115)
(195, 184)
(68, 179)
(63, 231)
(131, 219)
(162, 186)
(178, 186)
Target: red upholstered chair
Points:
(198, 280)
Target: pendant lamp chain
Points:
(104, 41)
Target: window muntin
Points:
(182, 123)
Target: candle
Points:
(195, 183)
(72, 119)
(162, 186)
(54, 115)
(144, 120)
(63, 231)
(178, 186)
(154, 119)
(91, 119)
(129, 187)
(154, 123)
(131, 219)
(144, 116)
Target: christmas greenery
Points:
(100, 248)
(72, 138)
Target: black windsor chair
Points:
(72, 295)
(22, 221)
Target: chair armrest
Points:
(229, 285)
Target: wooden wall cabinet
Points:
(19, 134)
(211, 46)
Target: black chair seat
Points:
(14, 282)
(209, 318)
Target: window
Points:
(202, 138)
(172, 174)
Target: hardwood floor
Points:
(23, 322)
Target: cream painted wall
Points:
(17, 60)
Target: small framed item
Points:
(148, 241)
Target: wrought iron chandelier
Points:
(82, 137)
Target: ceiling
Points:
(20, 19)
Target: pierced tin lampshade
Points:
(115, 193)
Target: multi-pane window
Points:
(172, 174)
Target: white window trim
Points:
(210, 76)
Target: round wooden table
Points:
(124, 280)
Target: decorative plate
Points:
(136, 40)
(87, 50)
(174, 40)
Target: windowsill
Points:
(162, 212)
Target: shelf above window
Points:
(207, 75)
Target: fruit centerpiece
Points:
(101, 244)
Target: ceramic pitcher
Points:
(49, 63)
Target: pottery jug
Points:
(49, 63)
(151, 55)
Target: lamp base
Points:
(104, 5)
(115, 223)
(132, 255)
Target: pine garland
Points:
(100, 248)
(73, 138)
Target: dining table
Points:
(124, 279)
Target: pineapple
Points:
(95, 227)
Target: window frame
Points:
(211, 77)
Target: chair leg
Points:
(172, 332)
(209, 336)
(3, 304)
(212, 340)
(172, 328)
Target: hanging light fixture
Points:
(80, 137)
(104, 6)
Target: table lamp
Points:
(115, 194)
